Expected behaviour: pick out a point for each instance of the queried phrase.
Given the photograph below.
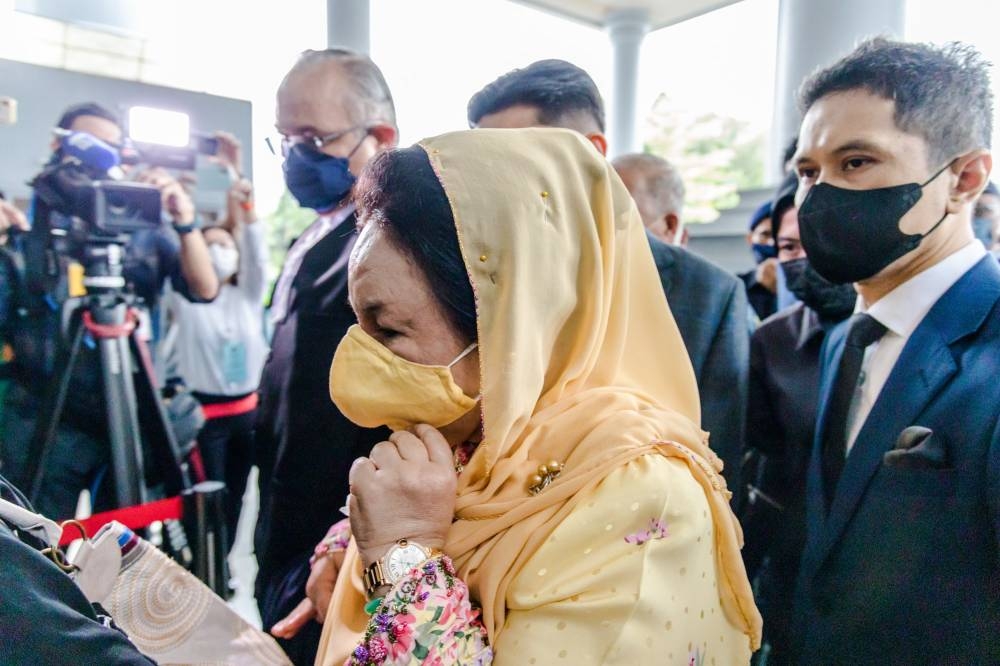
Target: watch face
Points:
(403, 558)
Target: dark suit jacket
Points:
(905, 569)
(781, 422)
(710, 307)
(305, 445)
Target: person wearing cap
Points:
(781, 418)
(761, 281)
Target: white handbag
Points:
(173, 617)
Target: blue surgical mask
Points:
(763, 252)
(317, 180)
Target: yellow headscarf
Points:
(581, 362)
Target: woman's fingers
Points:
(385, 455)
(362, 474)
(438, 449)
(409, 446)
(294, 621)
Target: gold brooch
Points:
(546, 475)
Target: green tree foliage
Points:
(285, 224)
(716, 155)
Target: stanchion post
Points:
(205, 523)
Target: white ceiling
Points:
(661, 12)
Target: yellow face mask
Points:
(372, 386)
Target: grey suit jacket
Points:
(710, 306)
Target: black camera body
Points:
(83, 216)
(92, 209)
(114, 208)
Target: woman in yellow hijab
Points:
(587, 522)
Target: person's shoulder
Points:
(703, 270)
(782, 319)
(651, 482)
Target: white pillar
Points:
(347, 24)
(626, 28)
(814, 34)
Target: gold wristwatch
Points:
(404, 556)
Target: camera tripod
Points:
(106, 314)
(133, 409)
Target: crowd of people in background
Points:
(491, 303)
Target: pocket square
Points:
(917, 448)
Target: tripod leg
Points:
(49, 415)
(123, 419)
(157, 425)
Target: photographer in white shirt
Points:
(220, 347)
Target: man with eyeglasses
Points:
(334, 114)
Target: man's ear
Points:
(973, 170)
(673, 223)
(600, 142)
(386, 135)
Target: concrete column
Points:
(347, 24)
(626, 28)
(814, 34)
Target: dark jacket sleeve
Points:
(45, 619)
(764, 431)
(723, 386)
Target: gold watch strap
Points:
(375, 574)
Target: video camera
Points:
(83, 184)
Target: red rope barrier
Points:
(132, 517)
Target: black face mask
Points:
(832, 302)
(851, 235)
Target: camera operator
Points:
(79, 457)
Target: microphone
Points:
(89, 151)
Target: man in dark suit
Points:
(781, 423)
(902, 564)
(709, 304)
(334, 113)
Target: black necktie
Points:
(863, 330)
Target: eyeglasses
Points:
(311, 143)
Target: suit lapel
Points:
(924, 367)
(833, 349)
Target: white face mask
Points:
(225, 260)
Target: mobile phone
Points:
(206, 144)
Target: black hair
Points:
(400, 192)
(555, 87)
(941, 93)
(786, 157)
(784, 198)
(87, 109)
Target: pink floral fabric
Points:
(657, 530)
(426, 618)
(337, 538)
